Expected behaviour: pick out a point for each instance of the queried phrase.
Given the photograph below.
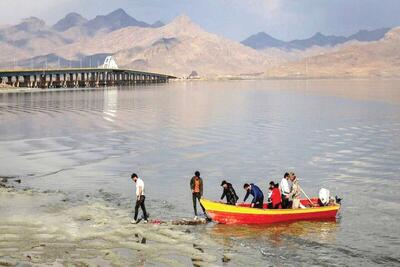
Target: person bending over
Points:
(229, 193)
(258, 196)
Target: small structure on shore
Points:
(193, 75)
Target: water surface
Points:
(341, 135)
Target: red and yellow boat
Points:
(244, 214)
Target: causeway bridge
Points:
(78, 77)
(107, 74)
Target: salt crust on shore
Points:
(39, 228)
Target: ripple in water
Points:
(78, 143)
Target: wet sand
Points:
(48, 228)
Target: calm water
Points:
(341, 135)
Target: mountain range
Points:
(115, 20)
(375, 59)
(182, 47)
(263, 40)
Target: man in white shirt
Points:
(285, 191)
(140, 198)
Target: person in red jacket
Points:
(276, 198)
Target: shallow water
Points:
(76, 150)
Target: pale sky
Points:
(235, 19)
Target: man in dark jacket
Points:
(229, 193)
(196, 185)
(258, 196)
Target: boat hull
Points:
(229, 214)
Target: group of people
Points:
(280, 196)
(285, 195)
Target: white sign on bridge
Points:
(109, 63)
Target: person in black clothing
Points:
(229, 193)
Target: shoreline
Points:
(49, 227)
(8, 89)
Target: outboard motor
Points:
(324, 196)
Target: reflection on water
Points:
(321, 230)
(341, 135)
(110, 104)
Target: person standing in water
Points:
(140, 198)
(196, 185)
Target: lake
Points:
(74, 151)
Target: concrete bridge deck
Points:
(78, 77)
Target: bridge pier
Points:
(17, 81)
(64, 80)
(56, 80)
(50, 85)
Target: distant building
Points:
(193, 75)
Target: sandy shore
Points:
(47, 228)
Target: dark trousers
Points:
(259, 204)
(195, 197)
(277, 206)
(286, 203)
(140, 203)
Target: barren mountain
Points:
(263, 41)
(70, 20)
(374, 59)
(182, 47)
(178, 48)
(31, 36)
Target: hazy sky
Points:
(235, 19)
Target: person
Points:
(285, 191)
(258, 196)
(140, 198)
(269, 201)
(229, 193)
(296, 192)
(196, 185)
(276, 198)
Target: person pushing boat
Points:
(196, 185)
(258, 196)
(229, 193)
